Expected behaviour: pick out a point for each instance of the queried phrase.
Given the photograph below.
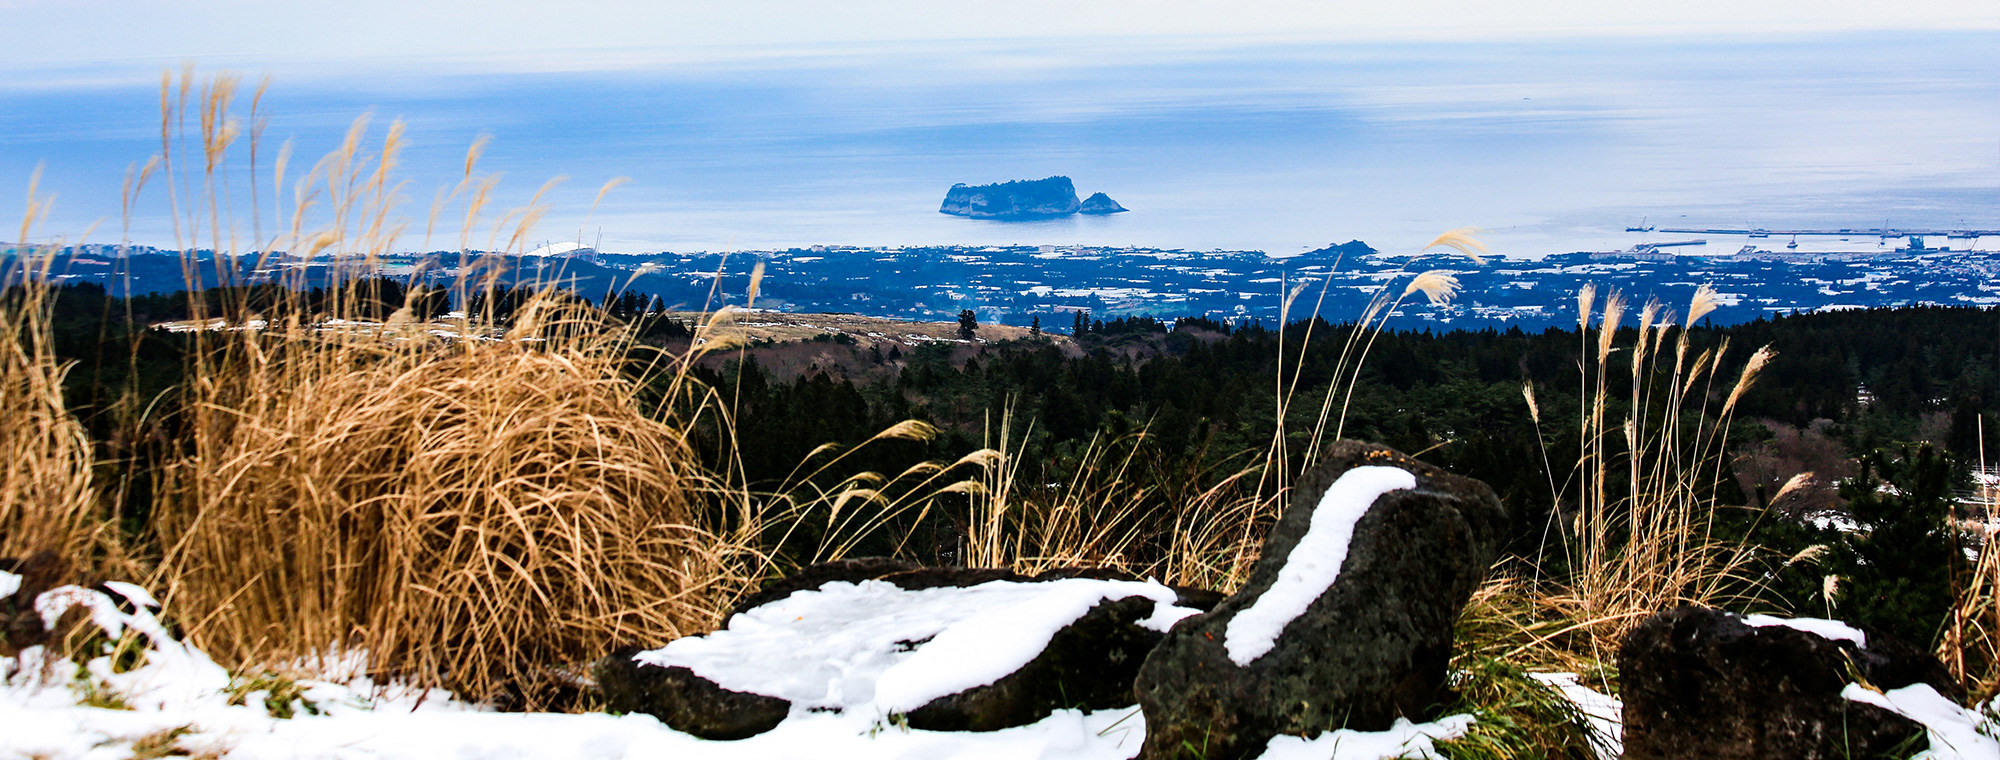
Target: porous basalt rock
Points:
(1088, 665)
(1374, 646)
(1099, 203)
(1700, 682)
(21, 625)
(683, 700)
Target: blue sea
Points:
(1549, 145)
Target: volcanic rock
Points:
(1099, 203)
(686, 701)
(1088, 665)
(1019, 199)
(1700, 682)
(873, 615)
(21, 625)
(1346, 621)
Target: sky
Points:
(301, 39)
(1258, 125)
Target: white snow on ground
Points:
(177, 697)
(884, 650)
(1605, 713)
(1831, 630)
(1314, 563)
(1956, 733)
(9, 583)
(1404, 739)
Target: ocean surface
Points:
(1551, 146)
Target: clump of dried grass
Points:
(1641, 500)
(48, 502)
(467, 513)
(475, 512)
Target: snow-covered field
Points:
(179, 702)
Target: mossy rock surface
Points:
(1373, 647)
(683, 700)
(1700, 682)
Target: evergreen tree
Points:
(1897, 569)
(968, 322)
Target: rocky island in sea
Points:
(1024, 199)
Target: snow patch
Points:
(9, 583)
(178, 689)
(1831, 630)
(1956, 733)
(1314, 563)
(1404, 739)
(874, 645)
(1605, 713)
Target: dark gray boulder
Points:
(683, 700)
(20, 623)
(1700, 682)
(1369, 648)
(1088, 665)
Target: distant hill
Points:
(1016, 285)
(1349, 249)
(1023, 199)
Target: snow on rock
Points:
(999, 640)
(178, 700)
(1955, 733)
(1314, 563)
(1604, 712)
(873, 645)
(1359, 585)
(1404, 739)
(1831, 630)
(1698, 682)
(172, 673)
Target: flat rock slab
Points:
(688, 702)
(1346, 621)
(932, 648)
(1701, 682)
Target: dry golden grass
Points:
(48, 502)
(1641, 499)
(467, 513)
(1112, 512)
(1970, 645)
(474, 512)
